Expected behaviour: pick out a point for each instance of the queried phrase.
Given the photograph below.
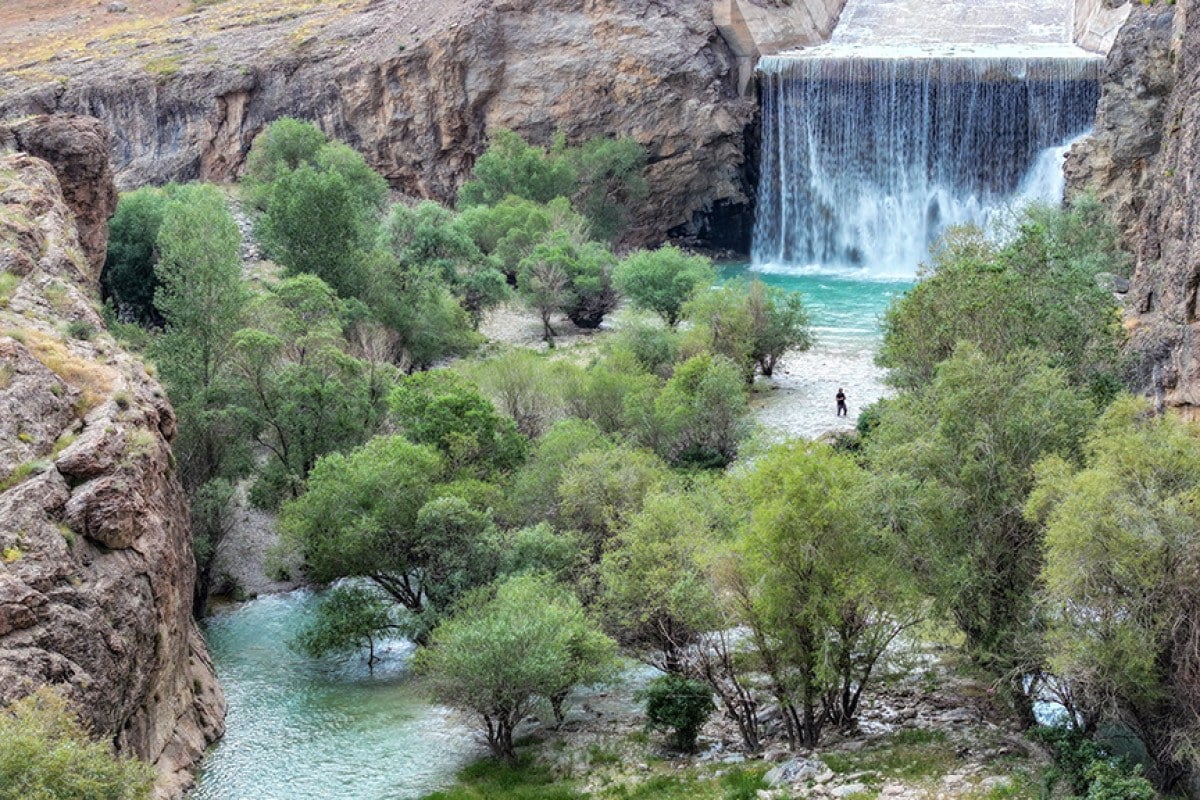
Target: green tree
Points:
(358, 517)
(512, 166)
(1122, 583)
(429, 241)
(443, 410)
(654, 594)
(600, 489)
(563, 275)
(349, 618)
(129, 280)
(953, 468)
(662, 280)
(315, 223)
(509, 646)
(533, 496)
(816, 585)
(202, 300)
(280, 148)
(48, 755)
(303, 395)
(510, 229)
(779, 324)
(680, 705)
(610, 177)
(1039, 291)
(699, 417)
(524, 385)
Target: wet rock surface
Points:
(96, 566)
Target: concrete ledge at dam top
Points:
(942, 50)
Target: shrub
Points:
(48, 755)
(662, 280)
(681, 706)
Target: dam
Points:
(912, 118)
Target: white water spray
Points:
(870, 153)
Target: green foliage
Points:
(1111, 782)
(429, 244)
(1120, 578)
(314, 222)
(47, 755)
(699, 416)
(1039, 291)
(653, 348)
(511, 166)
(349, 619)
(534, 492)
(201, 299)
(282, 147)
(80, 329)
(602, 177)
(358, 517)
(508, 646)
(816, 584)
(129, 279)
(662, 281)
(301, 394)
(443, 410)
(679, 705)
(610, 177)
(524, 385)
(509, 230)
(600, 488)
(1089, 771)
(212, 518)
(490, 779)
(953, 469)
(562, 274)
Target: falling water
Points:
(868, 154)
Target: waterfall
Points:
(869, 154)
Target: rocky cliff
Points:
(1144, 162)
(415, 86)
(96, 566)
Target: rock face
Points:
(1144, 162)
(417, 86)
(96, 566)
(1114, 161)
(77, 149)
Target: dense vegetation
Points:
(47, 754)
(523, 516)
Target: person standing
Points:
(841, 403)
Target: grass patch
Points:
(163, 67)
(21, 473)
(495, 780)
(94, 380)
(906, 755)
(8, 284)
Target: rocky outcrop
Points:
(416, 86)
(1145, 162)
(76, 147)
(96, 566)
(1114, 162)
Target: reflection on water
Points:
(300, 729)
(845, 312)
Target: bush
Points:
(681, 706)
(47, 755)
(662, 280)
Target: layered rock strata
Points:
(416, 87)
(96, 566)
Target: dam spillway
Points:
(868, 153)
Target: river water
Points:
(302, 729)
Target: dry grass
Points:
(95, 381)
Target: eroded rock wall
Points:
(417, 96)
(96, 565)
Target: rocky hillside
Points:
(413, 85)
(1144, 162)
(96, 566)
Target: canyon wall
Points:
(96, 565)
(1144, 163)
(416, 86)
